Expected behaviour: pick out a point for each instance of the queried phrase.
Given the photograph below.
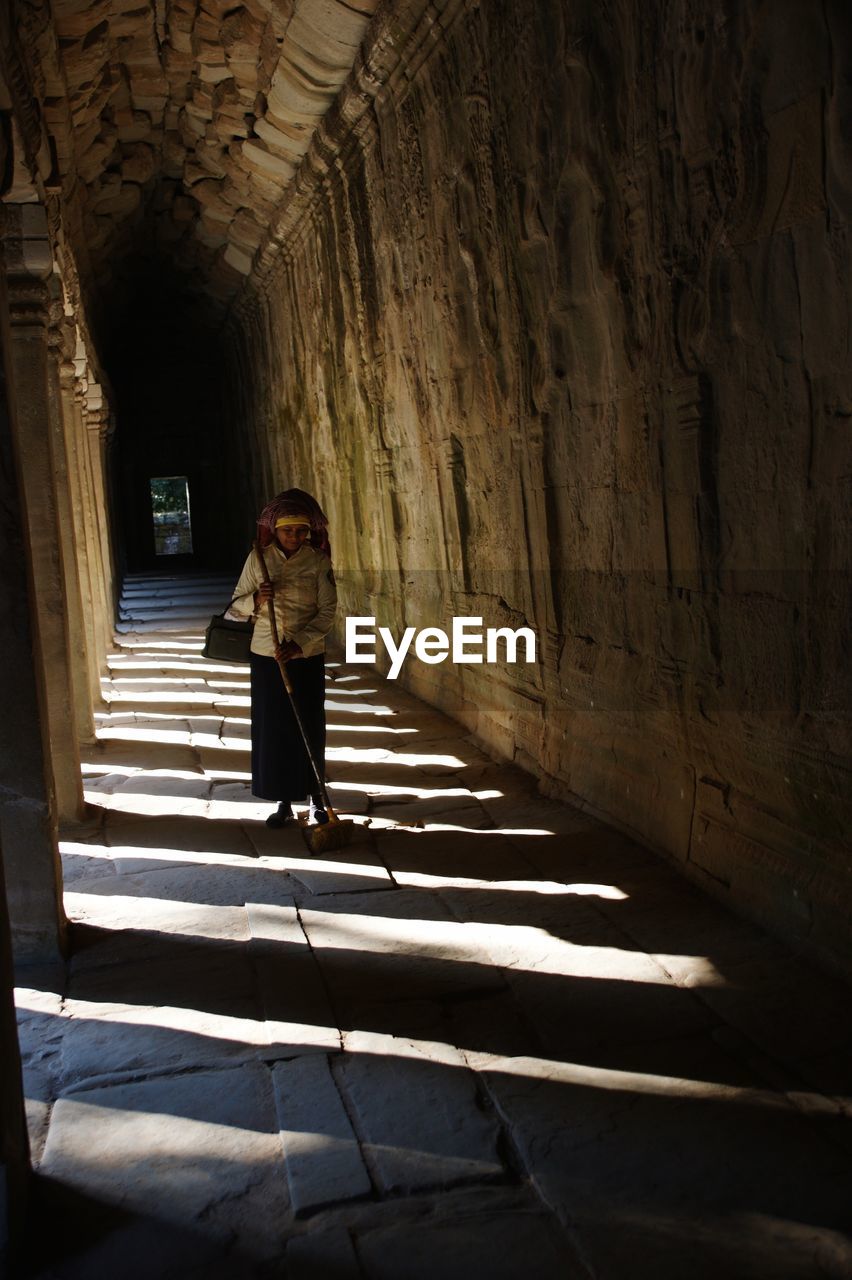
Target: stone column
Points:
(74, 440)
(32, 409)
(99, 431)
(14, 1145)
(91, 543)
(27, 798)
(61, 424)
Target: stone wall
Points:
(557, 326)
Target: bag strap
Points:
(264, 572)
(241, 597)
(273, 622)
(265, 578)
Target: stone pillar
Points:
(61, 399)
(74, 439)
(14, 1145)
(99, 432)
(27, 801)
(29, 265)
(90, 544)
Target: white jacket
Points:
(305, 599)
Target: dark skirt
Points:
(280, 768)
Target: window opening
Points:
(170, 509)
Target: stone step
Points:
(177, 591)
(147, 610)
(134, 578)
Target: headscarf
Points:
(294, 502)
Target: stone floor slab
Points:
(190, 1149)
(156, 901)
(101, 784)
(515, 1019)
(163, 783)
(190, 1003)
(463, 807)
(125, 1043)
(447, 854)
(142, 968)
(420, 1120)
(504, 1245)
(378, 774)
(193, 834)
(329, 1254)
(379, 947)
(354, 869)
(130, 860)
(299, 1018)
(219, 762)
(212, 887)
(136, 754)
(85, 862)
(588, 1017)
(348, 800)
(321, 1152)
(281, 842)
(724, 1167)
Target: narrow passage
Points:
(503, 1042)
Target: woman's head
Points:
(294, 502)
(292, 531)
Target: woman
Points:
(293, 542)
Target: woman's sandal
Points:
(282, 816)
(317, 813)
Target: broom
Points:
(337, 832)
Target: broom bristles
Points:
(328, 835)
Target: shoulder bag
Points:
(226, 640)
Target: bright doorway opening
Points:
(170, 511)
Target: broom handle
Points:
(288, 684)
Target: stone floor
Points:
(500, 1041)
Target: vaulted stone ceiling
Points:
(187, 119)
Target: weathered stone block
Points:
(322, 1155)
(419, 1118)
(216, 1159)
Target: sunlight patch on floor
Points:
(375, 755)
(130, 733)
(365, 728)
(171, 644)
(160, 857)
(193, 697)
(249, 809)
(521, 948)
(488, 831)
(554, 888)
(410, 791)
(363, 708)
